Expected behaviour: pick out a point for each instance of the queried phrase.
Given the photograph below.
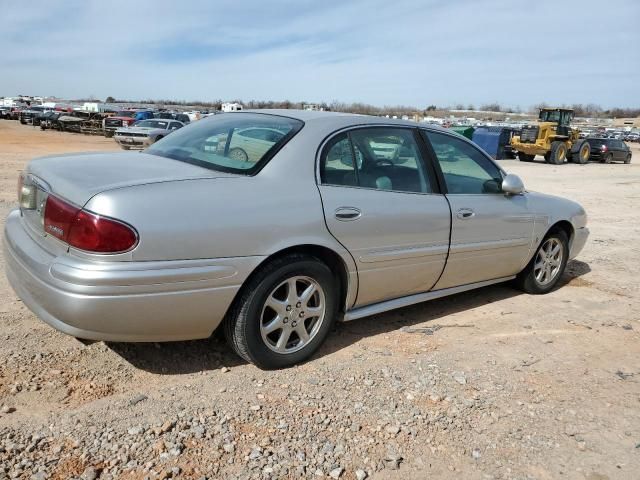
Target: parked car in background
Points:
(181, 117)
(250, 144)
(5, 113)
(607, 150)
(145, 132)
(173, 242)
(15, 113)
(29, 115)
(124, 118)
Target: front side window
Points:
(379, 158)
(466, 170)
(228, 142)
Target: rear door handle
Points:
(345, 214)
(466, 213)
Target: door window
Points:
(385, 159)
(466, 170)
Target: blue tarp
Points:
(493, 140)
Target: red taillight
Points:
(603, 148)
(86, 230)
(58, 216)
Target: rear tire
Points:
(607, 158)
(628, 159)
(249, 325)
(545, 270)
(582, 154)
(523, 157)
(558, 153)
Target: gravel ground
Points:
(482, 385)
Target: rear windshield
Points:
(234, 142)
(597, 141)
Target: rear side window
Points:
(378, 158)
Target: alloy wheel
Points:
(292, 314)
(548, 261)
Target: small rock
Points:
(137, 399)
(336, 472)
(255, 408)
(392, 429)
(39, 476)
(361, 474)
(89, 473)
(476, 454)
(460, 378)
(392, 462)
(166, 426)
(135, 430)
(225, 370)
(571, 430)
(7, 409)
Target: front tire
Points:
(546, 267)
(283, 313)
(558, 153)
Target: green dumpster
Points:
(464, 131)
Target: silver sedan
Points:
(338, 218)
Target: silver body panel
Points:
(202, 233)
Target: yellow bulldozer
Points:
(553, 138)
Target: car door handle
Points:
(466, 213)
(345, 214)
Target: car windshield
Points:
(151, 124)
(236, 143)
(126, 114)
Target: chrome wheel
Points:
(548, 261)
(292, 314)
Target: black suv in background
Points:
(607, 150)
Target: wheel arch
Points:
(565, 226)
(328, 256)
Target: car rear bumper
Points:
(579, 240)
(121, 301)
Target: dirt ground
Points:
(488, 384)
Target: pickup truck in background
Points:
(123, 119)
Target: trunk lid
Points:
(78, 177)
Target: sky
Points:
(391, 52)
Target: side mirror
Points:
(512, 185)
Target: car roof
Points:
(339, 118)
